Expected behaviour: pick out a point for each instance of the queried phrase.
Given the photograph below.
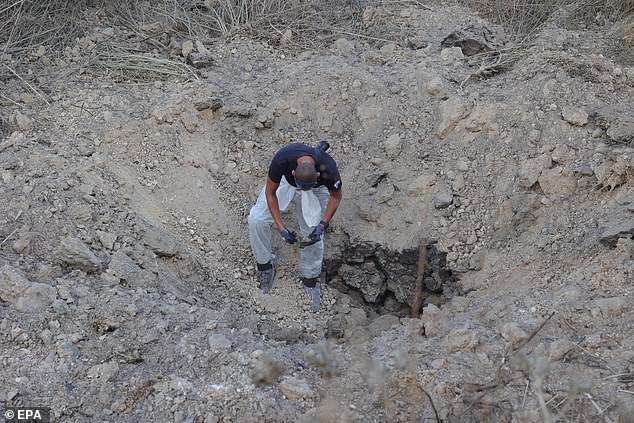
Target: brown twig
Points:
(420, 277)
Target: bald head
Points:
(306, 173)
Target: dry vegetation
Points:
(28, 24)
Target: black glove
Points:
(290, 237)
(317, 234)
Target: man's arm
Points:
(271, 200)
(331, 207)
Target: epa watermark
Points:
(27, 415)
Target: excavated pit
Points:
(385, 280)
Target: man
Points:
(307, 177)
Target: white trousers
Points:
(260, 222)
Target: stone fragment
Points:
(616, 228)
(462, 339)
(73, 253)
(344, 45)
(575, 116)
(442, 199)
(23, 122)
(530, 170)
(13, 282)
(218, 343)
(36, 298)
(295, 389)
(159, 241)
(512, 332)
(393, 146)
(451, 54)
(557, 182)
(433, 84)
(383, 323)
(187, 48)
(104, 371)
(450, 112)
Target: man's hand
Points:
(317, 234)
(288, 236)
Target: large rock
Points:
(575, 116)
(616, 225)
(295, 389)
(36, 298)
(530, 170)
(558, 182)
(367, 278)
(125, 269)
(450, 112)
(74, 253)
(158, 240)
(13, 282)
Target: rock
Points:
(530, 170)
(295, 389)
(190, 121)
(336, 327)
(442, 199)
(393, 146)
(451, 54)
(36, 298)
(73, 253)
(384, 193)
(23, 122)
(383, 323)
(450, 112)
(433, 321)
(462, 339)
(433, 84)
(421, 184)
(13, 282)
(512, 332)
(218, 343)
(368, 112)
(558, 182)
(575, 116)
(563, 154)
(473, 39)
(344, 45)
(619, 226)
(159, 241)
(187, 48)
(106, 239)
(367, 278)
(104, 371)
(125, 269)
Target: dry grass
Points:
(523, 18)
(140, 68)
(27, 24)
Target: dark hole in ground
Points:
(384, 281)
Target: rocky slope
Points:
(126, 279)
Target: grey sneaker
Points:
(311, 287)
(265, 278)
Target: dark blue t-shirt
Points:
(285, 161)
